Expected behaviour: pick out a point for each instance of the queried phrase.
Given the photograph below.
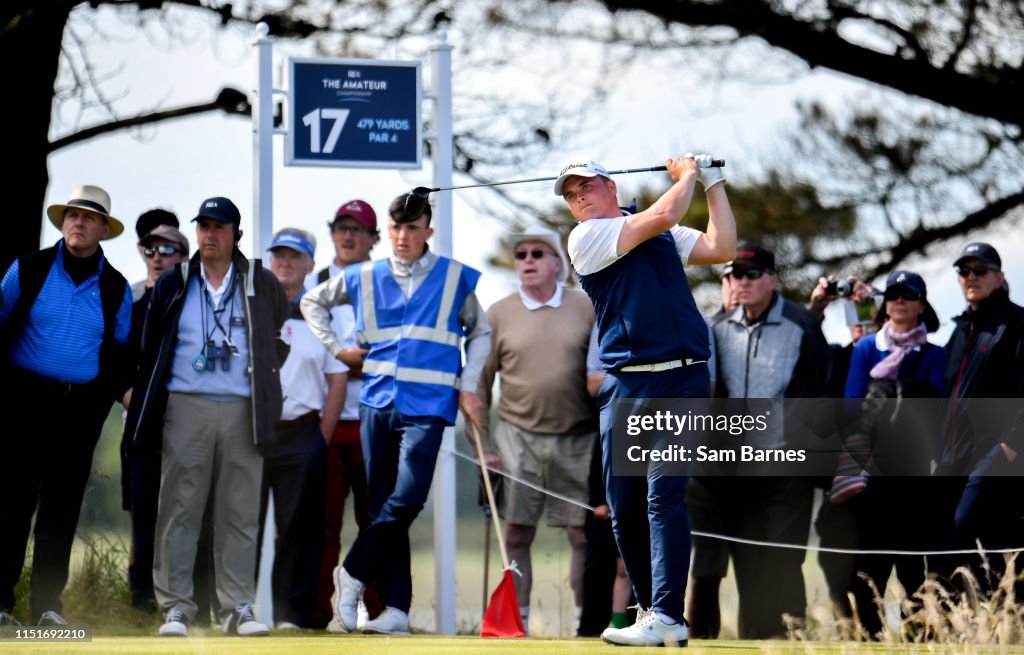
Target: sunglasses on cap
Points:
(536, 253)
(752, 273)
(901, 292)
(978, 269)
(166, 251)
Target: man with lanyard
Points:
(313, 384)
(412, 311)
(654, 344)
(65, 314)
(354, 233)
(208, 392)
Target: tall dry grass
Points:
(961, 611)
(97, 590)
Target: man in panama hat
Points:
(65, 314)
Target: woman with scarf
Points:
(887, 490)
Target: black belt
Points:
(44, 384)
(311, 416)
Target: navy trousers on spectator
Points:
(649, 514)
(400, 453)
(991, 511)
(47, 457)
(296, 474)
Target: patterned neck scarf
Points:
(900, 343)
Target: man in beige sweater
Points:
(546, 420)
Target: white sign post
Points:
(362, 114)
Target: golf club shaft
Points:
(651, 169)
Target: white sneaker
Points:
(286, 625)
(347, 592)
(334, 626)
(52, 618)
(243, 623)
(362, 615)
(175, 625)
(389, 622)
(648, 631)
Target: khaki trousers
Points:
(207, 448)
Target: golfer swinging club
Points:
(653, 344)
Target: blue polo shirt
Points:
(62, 335)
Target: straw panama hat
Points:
(93, 198)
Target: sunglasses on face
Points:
(536, 253)
(752, 273)
(906, 294)
(165, 251)
(978, 269)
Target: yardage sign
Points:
(355, 113)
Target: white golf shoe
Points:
(389, 622)
(347, 593)
(648, 630)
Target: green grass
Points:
(434, 645)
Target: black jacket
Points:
(984, 359)
(266, 308)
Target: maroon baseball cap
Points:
(359, 210)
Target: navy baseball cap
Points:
(288, 238)
(221, 210)
(982, 251)
(913, 282)
(751, 255)
(907, 280)
(148, 221)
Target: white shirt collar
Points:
(424, 263)
(217, 294)
(554, 301)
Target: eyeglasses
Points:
(978, 269)
(165, 251)
(350, 229)
(906, 294)
(536, 253)
(752, 273)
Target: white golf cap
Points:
(582, 168)
(543, 235)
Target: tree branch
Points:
(818, 43)
(230, 101)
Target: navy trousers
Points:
(649, 514)
(399, 453)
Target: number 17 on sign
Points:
(312, 121)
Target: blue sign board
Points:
(355, 113)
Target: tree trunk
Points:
(30, 50)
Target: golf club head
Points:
(416, 202)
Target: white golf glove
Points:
(707, 174)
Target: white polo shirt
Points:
(303, 375)
(343, 322)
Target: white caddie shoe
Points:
(649, 631)
(362, 615)
(243, 623)
(175, 625)
(389, 622)
(347, 592)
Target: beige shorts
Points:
(556, 462)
